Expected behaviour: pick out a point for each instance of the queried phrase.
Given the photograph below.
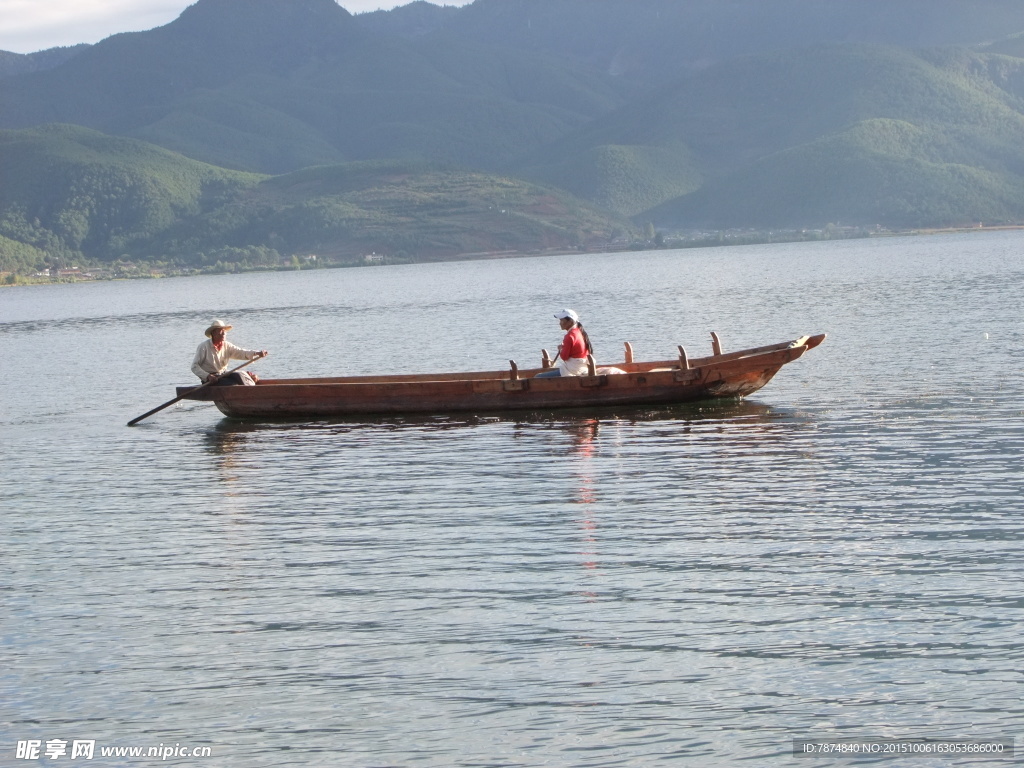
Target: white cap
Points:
(568, 313)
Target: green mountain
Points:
(276, 85)
(653, 42)
(752, 141)
(704, 113)
(71, 193)
(880, 171)
(747, 106)
(629, 178)
(400, 208)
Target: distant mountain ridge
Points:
(655, 41)
(21, 64)
(694, 114)
(275, 85)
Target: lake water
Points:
(839, 556)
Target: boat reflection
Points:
(584, 435)
(742, 422)
(712, 410)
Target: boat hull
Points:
(732, 375)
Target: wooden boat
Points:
(662, 382)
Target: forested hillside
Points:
(862, 134)
(688, 115)
(70, 194)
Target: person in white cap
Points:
(212, 358)
(575, 346)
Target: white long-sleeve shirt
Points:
(209, 360)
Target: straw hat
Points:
(215, 325)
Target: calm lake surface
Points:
(841, 555)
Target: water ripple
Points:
(838, 557)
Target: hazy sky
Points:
(34, 25)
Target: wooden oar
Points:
(147, 414)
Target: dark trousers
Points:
(229, 380)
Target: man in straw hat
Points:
(212, 358)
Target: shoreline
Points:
(734, 238)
